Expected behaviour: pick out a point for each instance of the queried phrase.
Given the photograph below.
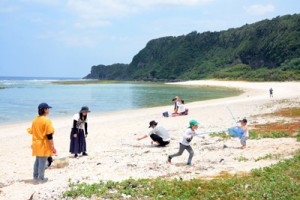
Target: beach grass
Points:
(287, 112)
(223, 135)
(269, 156)
(255, 135)
(281, 128)
(279, 181)
(241, 159)
(85, 82)
(291, 112)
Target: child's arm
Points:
(51, 143)
(146, 135)
(74, 129)
(85, 129)
(141, 138)
(29, 131)
(201, 134)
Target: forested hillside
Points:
(266, 50)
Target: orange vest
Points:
(41, 127)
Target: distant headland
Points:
(268, 50)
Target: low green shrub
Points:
(255, 135)
(279, 181)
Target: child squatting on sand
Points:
(185, 142)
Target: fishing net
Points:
(235, 132)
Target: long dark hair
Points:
(83, 118)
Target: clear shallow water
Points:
(19, 101)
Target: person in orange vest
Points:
(42, 141)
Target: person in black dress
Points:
(79, 132)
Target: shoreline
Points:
(114, 153)
(97, 113)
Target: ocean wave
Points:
(18, 81)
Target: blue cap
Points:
(152, 123)
(44, 106)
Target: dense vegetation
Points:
(280, 181)
(266, 50)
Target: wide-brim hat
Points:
(84, 109)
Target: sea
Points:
(20, 96)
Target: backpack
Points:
(166, 114)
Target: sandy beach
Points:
(114, 153)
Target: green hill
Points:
(266, 50)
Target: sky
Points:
(64, 38)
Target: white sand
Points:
(114, 154)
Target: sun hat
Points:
(84, 109)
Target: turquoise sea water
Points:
(21, 96)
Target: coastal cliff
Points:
(262, 51)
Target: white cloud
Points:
(178, 2)
(170, 2)
(95, 9)
(77, 41)
(45, 2)
(91, 14)
(259, 9)
(68, 39)
(91, 24)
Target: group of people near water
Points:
(179, 107)
(43, 144)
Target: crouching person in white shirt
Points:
(158, 134)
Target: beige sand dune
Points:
(114, 154)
